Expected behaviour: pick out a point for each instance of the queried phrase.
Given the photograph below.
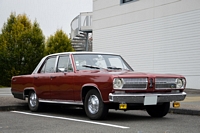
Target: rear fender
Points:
(27, 90)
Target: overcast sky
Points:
(50, 14)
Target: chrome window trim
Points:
(56, 59)
(71, 54)
(93, 53)
(39, 65)
(69, 60)
(56, 64)
(43, 60)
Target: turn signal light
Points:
(122, 106)
(176, 104)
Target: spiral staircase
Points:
(81, 32)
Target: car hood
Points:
(142, 74)
(132, 74)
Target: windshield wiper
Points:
(96, 67)
(90, 66)
(113, 67)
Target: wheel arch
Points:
(27, 90)
(88, 87)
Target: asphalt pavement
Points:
(190, 106)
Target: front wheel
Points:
(158, 110)
(33, 102)
(94, 107)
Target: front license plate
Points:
(150, 100)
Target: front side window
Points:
(100, 61)
(64, 64)
(49, 65)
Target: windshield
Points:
(100, 61)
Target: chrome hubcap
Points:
(33, 99)
(93, 104)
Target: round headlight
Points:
(179, 83)
(117, 83)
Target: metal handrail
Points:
(82, 22)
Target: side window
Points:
(49, 65)
(70, 68)
(43, 69)
(64, 64)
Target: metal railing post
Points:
(86, 42)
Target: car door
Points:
(42, 79)
(63, 79)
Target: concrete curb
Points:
(184, 111)
(172, 110)
(12, 108)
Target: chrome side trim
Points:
(139, 98)
(61, 102)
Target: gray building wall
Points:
(160, 36)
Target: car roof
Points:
(83, 52)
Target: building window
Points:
(126, 1)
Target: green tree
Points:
(59, 42)
(21, 47)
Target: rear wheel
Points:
(158, 110)
(94, 107)
(33, 102)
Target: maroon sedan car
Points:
(98, 82)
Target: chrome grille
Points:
(165, 83)
(135, 83)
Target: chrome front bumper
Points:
(140, 98)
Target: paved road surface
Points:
(75, 121)
(5, 92)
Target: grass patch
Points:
(3, 86)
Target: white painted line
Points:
(70, 119)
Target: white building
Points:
(159, 36)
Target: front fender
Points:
(87, 87)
